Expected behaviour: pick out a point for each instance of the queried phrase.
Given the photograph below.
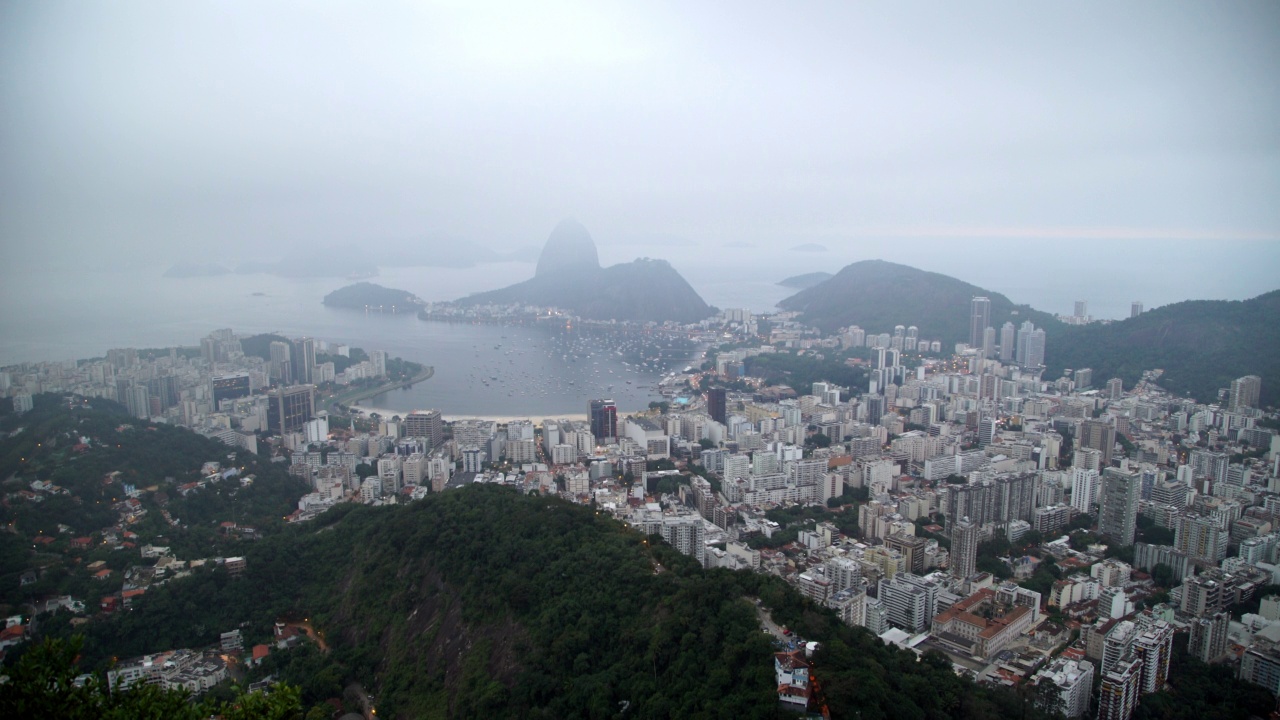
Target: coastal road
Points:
(356, 396)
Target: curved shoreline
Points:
(342, 399)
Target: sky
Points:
(226, 131)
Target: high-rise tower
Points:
(281, 362)
(289, 408)
(304, 359)
(979, 320)
(964, 548)
(1245, 392)
(1008, 348)
(425, 424)
(1098, 435)
(716, 404)
(1118, 513)
(989, 343)
(604, 419)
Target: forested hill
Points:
(367, 295)
(876, 295)
(1202, 345)
(482, 602)
(83, 457)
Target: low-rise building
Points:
(792, 674)
(979, 626)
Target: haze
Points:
(149, 132)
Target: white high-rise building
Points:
(1008, 343)
(1084, 489)
(1154, 645)
(979, 320)
(685, 533)
(1074, 681)
(378, 358)
(1035, 349)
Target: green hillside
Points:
(478, 602)
(876, 295)
(482, 602)
(1202, 345)
(91, 452)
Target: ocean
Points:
(71, 314)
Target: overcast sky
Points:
(225, 129)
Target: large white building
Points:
(685, 533)
(1084, 489)
(651, 438)
(1074, 682)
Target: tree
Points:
(1083, 521)
(659, 464)
(819, 440)
(364, 470)
(1033, 538)
(706, 444)
(1158, 536)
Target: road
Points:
(773, 628)
(352, 397)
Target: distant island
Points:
(367, 295)
(807, 280)
(193, 270)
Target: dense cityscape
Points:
(638, 361)
(1052, 532)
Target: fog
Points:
(991, 141)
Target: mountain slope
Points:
(876, 295)
(1202, 345)
(569, 277)
(483, 602)
(807, 280)
(569, 248)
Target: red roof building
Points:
(792, 671)
(259, 652)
